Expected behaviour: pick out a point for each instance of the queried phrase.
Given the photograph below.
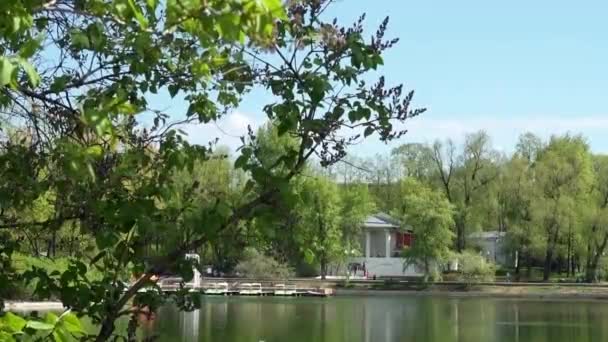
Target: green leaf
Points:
(357, 57)
(143, 22)
(71, 323)
(173, 89)
(6, 337)
(96, 36)
(51, 318)
(37, 325)
(28, 49)
(309, 255)
(98, 256)
(59, 83)
(223, 209)
(368, 131)
(31, 72)
(275, 7)
(152, 4)
(79, 39)
(94, 151)
(12, 323)
(7, 70)
(60, 335)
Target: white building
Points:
(382, 242)
(491, 245)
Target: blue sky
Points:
(503, 66)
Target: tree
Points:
(514, 194)
(319, 230)
(114, 176)
(596, 218)
(259, 266)
(564, 176)
(477, 172)
(511, 197)
(416, 160)
(528, 146)
(444, 158)
(474, 268)
(382, 179)
(355, 206)
(465, 177)
(430, 216)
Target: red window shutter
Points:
(407, 239)
(399, 240)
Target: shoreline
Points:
(543, 296)
(548, 292)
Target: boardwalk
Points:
(244, 288)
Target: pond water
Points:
(383, 318)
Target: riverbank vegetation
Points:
(547, 196)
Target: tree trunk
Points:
(34, 244)
(548, 261)
(323, 263)
(573, 264)
(594, 260)
(569, 268)
(322, 238)
(518, 262)
(549, 257)
(107, 328)
(528, 265)
(551, 243)
(460, 235)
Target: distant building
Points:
(491, 245)
(382, 241)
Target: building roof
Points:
(494, 234)
(380, 221)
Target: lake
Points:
(384, 318)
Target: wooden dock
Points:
(246, 289)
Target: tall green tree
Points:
(595, 219)
(514, 193)
(356, 204)
(319, 229)
(430, 216)
(465, 177)
(416, 160)
(564, 175)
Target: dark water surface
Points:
(384, 318)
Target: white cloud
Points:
(504, 131)
(227, 130)
(499, 127)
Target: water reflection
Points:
(383, 319)
(190, 325)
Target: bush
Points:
(602, 269)
(474, 268)
(502, 271)
(21, 263)
(258, 265)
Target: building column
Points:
(387, 243)
(367, 244)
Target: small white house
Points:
(492, 246)
(382, 242)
